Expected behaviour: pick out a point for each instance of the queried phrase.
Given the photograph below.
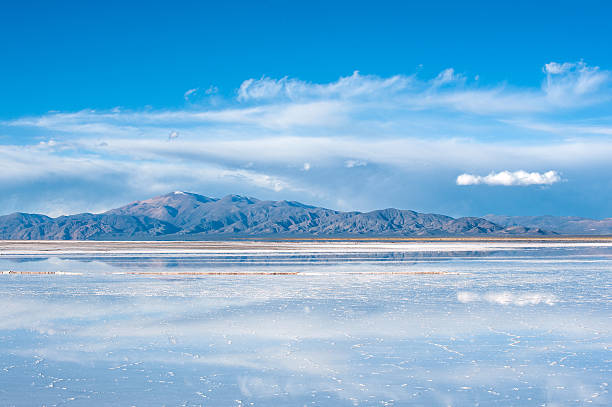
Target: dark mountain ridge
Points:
(188, 216)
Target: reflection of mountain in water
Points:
(20, 259)
(181, 261)
(191, 262)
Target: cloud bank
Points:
(507, 178)
(359, 142)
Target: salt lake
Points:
(442, 323)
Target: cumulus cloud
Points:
(507, 178)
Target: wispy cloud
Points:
(190, 93)
(447, 76)
(353, 86)
(507, 178)
(354, 163)
(570, 83)
(566, 130)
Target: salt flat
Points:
(368, 323)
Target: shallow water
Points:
(438, 325)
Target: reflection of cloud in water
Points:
(508, 298)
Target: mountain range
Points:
(189, 216)
(565, 225)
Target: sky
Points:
(460, 108)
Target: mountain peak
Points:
(179, 196)
(239, 198)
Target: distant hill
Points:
(567, 225)
(189, 216)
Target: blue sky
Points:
(458, 108)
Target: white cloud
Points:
(507, 178)
(131, 172)
(555, 68)
(190, 92)
(261, 180)
(564, 129)
(447, 76)
(346, 87)
(354, 163)
(47, 144)
(211, 90)
(575, 83)
(468, 179)
(286, 103)
(260, 89)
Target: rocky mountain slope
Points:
(567, 225)
(183, 215)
